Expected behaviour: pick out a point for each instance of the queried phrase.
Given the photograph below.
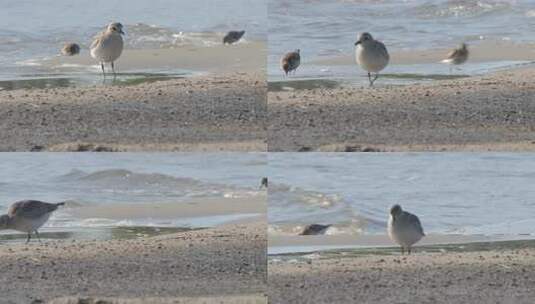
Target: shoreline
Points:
(481, 113)
(381, 244)
(223, 112)
(499, 274)
(482, 51)
(227, 261)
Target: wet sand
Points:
(499, 275)
(226, 264)
(193, 208)
(484, 51)
(241, 57)
(494, 112)
(282, 244)
(224, 112)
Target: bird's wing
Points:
(416, 222)
(97, 39)
(452, 54)
(382, 48)
(288, 57)
(30, 209)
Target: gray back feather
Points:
(416, 222)
(31, 209)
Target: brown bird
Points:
(457, 56)
(290, 62)
(233, 36)
(70, 49)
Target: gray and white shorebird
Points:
(315, 229)
(70, 49)
(233, 36)
(291, 61)
(108, 45)
(371, 55)
(457, 56)
(404, 228)
(28, 216)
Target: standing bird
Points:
(404, 228)
(108, 45)
(290, 61)
(233, 36)
(70, 49)
(27, 216)
(264, 183)
(457, 56)
(371, 55)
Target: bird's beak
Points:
(121, 32)
(357, 43)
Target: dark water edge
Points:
(277, 86)
(63, 81)
(101, 233)
(396, 79)
(381, 251)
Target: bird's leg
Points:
(38, 237)
(371, 82)
(102, 66)
(29, 237)
(374, 79)
(402, 250)
(113, 69)
(409, 250)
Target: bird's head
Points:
(363, 38)
(395, 210)
(116, 27)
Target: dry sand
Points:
(224, 265)
(224, 112)
(488, 113)
(498, 276)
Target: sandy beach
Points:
(221, 109)
(225, 264)
(499, 275)
(484, 113)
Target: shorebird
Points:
(70, 49)
(28, 216)
(457, 56)
(371, 55)
(264, 182)
(233, 36)
(108, 45)
(290, 61)
(404, 228)
(315, 229)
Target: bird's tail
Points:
(449, 60)
(60, 204)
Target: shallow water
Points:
(452, 193)
(328, 29)
(336, 252)
(162, 24)
(119, 180)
